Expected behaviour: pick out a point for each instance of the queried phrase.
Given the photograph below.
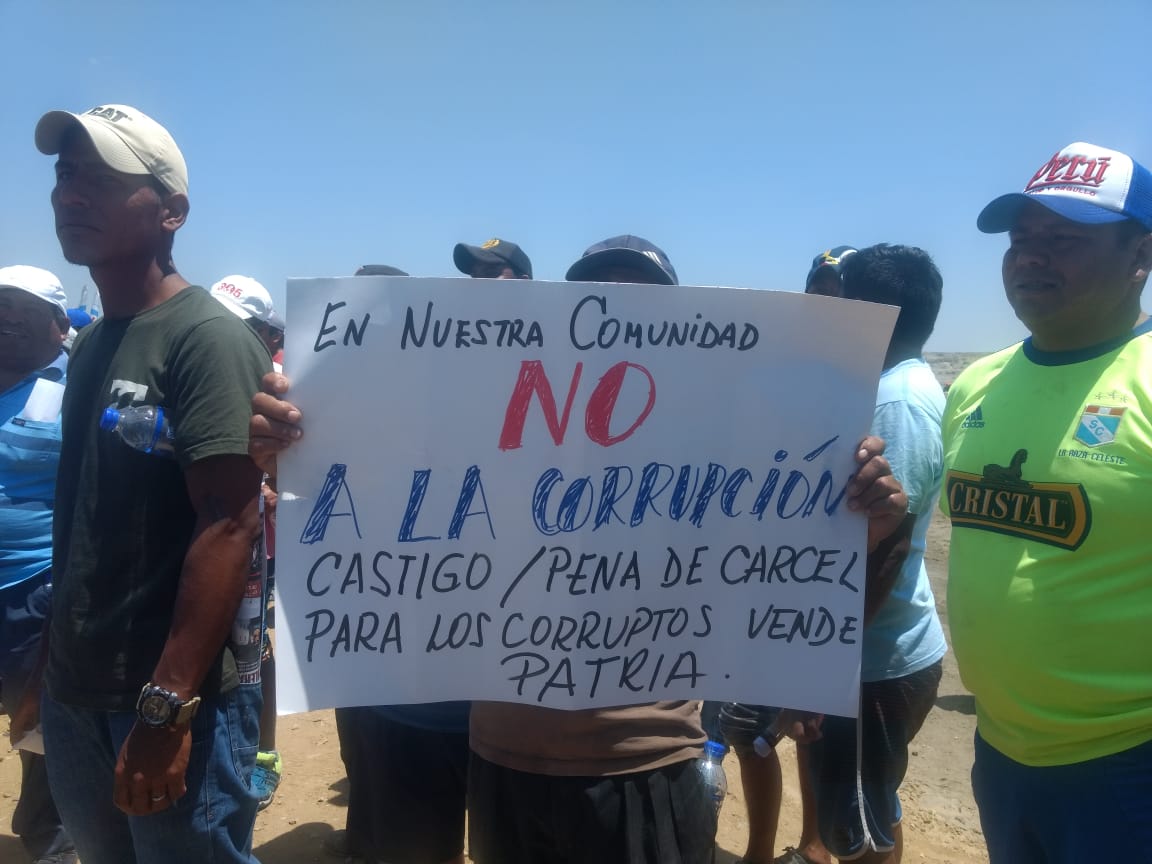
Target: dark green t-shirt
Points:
(123, 519)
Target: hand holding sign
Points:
(875, 492)
(274, 425)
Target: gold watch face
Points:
(155, 709)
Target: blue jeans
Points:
(212, 822)
(1099, 810)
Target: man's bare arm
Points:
(26, 713)
(884, 565)
(224, 490)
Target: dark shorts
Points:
(649, 817)
(1099, 810)
(740, 725)
(737, 725)
(407, 788)
(870, 756)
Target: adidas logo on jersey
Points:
(975, 420)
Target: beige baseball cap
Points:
(127, 139)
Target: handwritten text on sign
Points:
(572, 495)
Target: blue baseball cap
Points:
(627, 250)
(1084, 183)
(79, 318)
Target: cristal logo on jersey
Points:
(1000, 500)
(1098, 425)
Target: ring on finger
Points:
(159, 797)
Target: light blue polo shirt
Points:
(29, 456)
(906, 636)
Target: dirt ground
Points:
(940, 819)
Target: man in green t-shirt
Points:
(1048, 459)
(150, 736)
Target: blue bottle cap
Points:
(109, 419)
(715, 749)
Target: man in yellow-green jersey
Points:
(1048, 483)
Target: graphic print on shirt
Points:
(1002, 500)
(130, 389)
(247, 636)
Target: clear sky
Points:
(741, 137)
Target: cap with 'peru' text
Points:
(127, 139)
(494, 251)
(1084, 183)
(626, 250)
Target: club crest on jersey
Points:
(1098, 425)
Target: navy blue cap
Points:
(627, 250)
(831, 258)
(494, 251)
(1083, 183)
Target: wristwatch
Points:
(160, 707)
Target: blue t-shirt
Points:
(29, 456)
(906, 636)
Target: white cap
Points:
(127, 139)
(247, 298)
(35, 281)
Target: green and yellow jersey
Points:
(1048, 484)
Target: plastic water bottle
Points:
(141, 427)
(711, 767)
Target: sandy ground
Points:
(940, 819)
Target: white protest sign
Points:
(572, 495)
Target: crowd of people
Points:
(135, 575)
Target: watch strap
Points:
(185, 712)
